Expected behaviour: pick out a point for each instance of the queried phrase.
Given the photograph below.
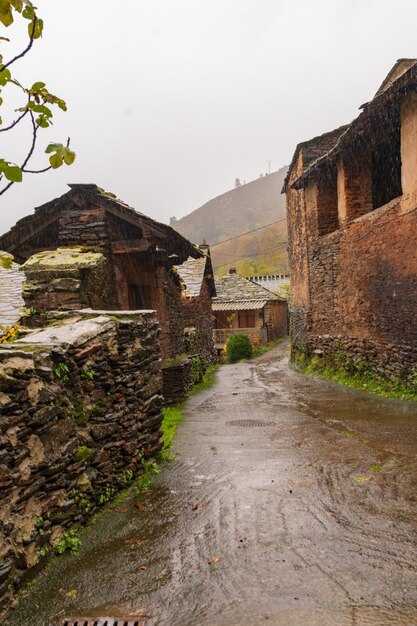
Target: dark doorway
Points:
(139, 297)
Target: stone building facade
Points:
(63, 240)
(198, 290)
(352, 217)
(242, 306)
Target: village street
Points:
(291, 502)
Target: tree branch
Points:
(45, 169)
(26, 50)
(15, 123)
(31, 150)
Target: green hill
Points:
(246, 208)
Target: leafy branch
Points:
(38, 99)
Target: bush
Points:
(238, 347)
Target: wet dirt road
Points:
(292, 501)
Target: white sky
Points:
(171, 100)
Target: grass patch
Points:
(172, 417)
(353, 371)
(206, 381)
(260, 350)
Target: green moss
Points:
(354, 371)
(83, 453)
(81, 413)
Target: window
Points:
(247, 319)
(327, 209)
(386, 171)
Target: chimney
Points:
(232, 270)
(204, 247)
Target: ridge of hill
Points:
(245, 208)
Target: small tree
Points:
(238, 347)
(37, 101)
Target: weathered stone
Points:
(66, 443)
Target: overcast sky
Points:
(170, 100)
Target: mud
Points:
(307, 516)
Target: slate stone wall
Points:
(276, 319)
(198, 315)
(362, 289)
(80, 407)
(67, 279)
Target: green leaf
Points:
(69, 156)
(37, 86)
(54, 147)
(13, 173)
(6, 18)
(17, 4)
(5, 76)
(37, 32)
(28, 12)
(56, 160)
(42, 121)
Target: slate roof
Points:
(233, 288)
(11, 299)
(401, 77)
(313, 149)
(24, 229)
(192, 274)
(239, 305)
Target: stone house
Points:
(351, 206)
(88, 249)
(242, 306)
(198, 290)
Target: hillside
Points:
(240, 210)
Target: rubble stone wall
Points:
(67, 279)
(80, 408)
(198, 315)
(362, 290)
(276, 319)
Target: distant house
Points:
(104, 255)
(278, 283)
(198, 289)
(351, 206)
(242, 306)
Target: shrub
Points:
(238, 347)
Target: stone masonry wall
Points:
(80, 407)
(198, 314)
(363, 288)
(276, 319)
(67, 279)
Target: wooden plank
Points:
(125, 246)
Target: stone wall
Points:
(80, 408)
(362, 286)
(198, 318)
(11, 300)
(276, 318)
(67, 279)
